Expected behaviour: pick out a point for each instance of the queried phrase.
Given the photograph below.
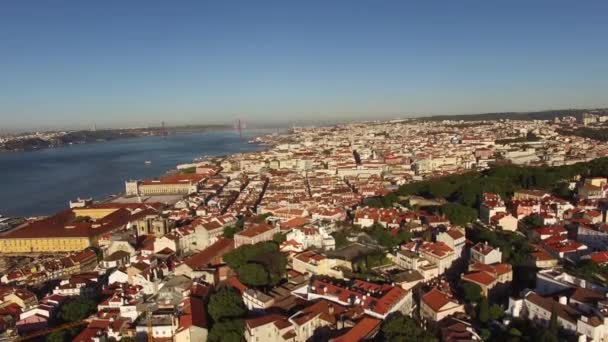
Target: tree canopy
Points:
(458, 213)
(590, 271)
(471, 291)
(227, 331)
(77, 309)
(279, 238)
(533, 221)
(225, 303)
(386, 201)
(57, 336)
(586, 132)
(483, 313)
(404, 328)
(253, 274)
(466, 189)
(263, 257)
(384, 237)
(235, 228)
(226, 308)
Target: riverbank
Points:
(37, 141)
(43, 182)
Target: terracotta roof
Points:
(383, 297)
(193, 314)
(295, 222)
(436, 299)
(365, 328)
(455, 234)
(542, 255)
(67, 224)
(587, 296)
(216, 250)
(323, 308)
(480, 277)
(255, 230)
(548, 304)
(439, 249)
(179, 178)
(483, 248)
(308, 256)
(253, 323)
(455, 331)
(599, 257)
(236, 283)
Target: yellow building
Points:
(177, 184)
(312, 263)
(73, 229)
(596, 181)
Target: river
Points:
(43, 182)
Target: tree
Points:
(591, 271)
(467, 188)
(57, 336)
(554, 324)
(485, 334)
(235, 228)
(404, 328)
(458, 213)
(544, 335)
(78, 309)
(365, 263)
(533, 221)
(230, 231)
(279, 238)
(253, 274)
(264, 254)
(484, 312)
(496, 312)
(260, 218)
(515, 332)
(230, 330)
(382, 236)
(341, 238)
(225, 303)
(403, 236)
(471, 291)
(563, 191)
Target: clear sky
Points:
(75, 63)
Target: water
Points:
(43, 182)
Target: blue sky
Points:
(128, 63)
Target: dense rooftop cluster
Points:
(400, 230)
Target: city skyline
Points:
(123, 65)
(288, 171)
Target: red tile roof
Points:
(179, 178)
(253, 323)
(480, 277)
(255, 230)
(363, 329)
(599, 257)
(193, 314)
(67, 224)
(436, 299)
(210, 254)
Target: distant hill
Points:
(541, 115)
